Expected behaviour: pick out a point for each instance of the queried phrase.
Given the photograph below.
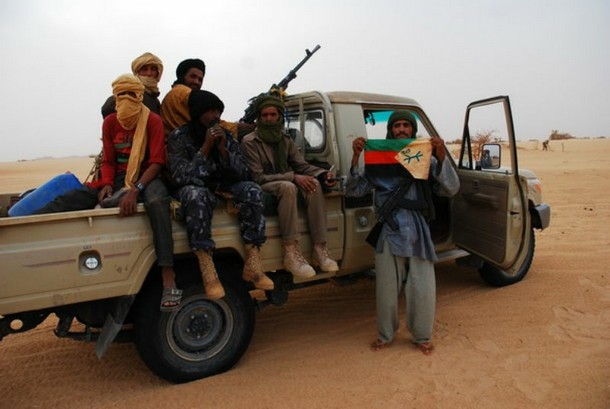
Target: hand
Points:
(104, 192)
(438, 148)
(129, 202)
(208, 143)
(307, 183)
(218, 135)
(330, 179)
(358, 145)
(357, 148)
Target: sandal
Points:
(425, 347)
(378, 345)
(170, 299)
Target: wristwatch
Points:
(140, 186)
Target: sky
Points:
(59, 58)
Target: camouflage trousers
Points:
(197, 205)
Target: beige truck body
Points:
(99, 268)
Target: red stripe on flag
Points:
(380, 157)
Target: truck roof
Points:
(358, 98)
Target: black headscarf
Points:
(199, 102)
(186, 65)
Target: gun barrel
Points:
(249, 115)
(283, 84)
(316, 48)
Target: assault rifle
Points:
(384, 215)
(276, 89)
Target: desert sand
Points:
(541, 343)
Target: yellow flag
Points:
(415, 157)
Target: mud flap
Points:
(113, 324)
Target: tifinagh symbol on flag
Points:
(389, 157)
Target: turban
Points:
(404, 115)
(127, 83)
(149, 82)
(186, 65)
(202, 101)
(132, 114)
(264, 101)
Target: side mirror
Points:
(491, 156)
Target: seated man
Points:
(205, 160)
(132, 157)
(281, 170)
(148, 68)
(174, 108)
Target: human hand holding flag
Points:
(388, 157)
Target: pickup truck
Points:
(92, 268)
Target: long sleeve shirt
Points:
(189, 166)
(412, 238)
(262, 165)
(117, 143)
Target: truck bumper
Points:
(541, 216)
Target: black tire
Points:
(202, 338)
(500, 278)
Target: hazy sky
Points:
(59, 57)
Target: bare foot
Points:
(378, 345)
(425, 347)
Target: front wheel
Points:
(500, 278)
(202, 338)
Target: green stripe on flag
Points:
(387, 144)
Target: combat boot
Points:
(253, 269)
(321, 257)
(294, 261)
(212, 285)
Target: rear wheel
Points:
(202, 338)
(500, 278)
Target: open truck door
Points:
(491, 218)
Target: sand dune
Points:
(542, 343)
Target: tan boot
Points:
(294, 261)
(213, 287)
(253, 269)
(321, 257)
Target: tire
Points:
(500, 278)
(200, 339)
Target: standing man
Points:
(411, 240)
(148, 68)
(281, 170)
(205, 160)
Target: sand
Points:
(542, 343)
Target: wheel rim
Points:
(200, 328)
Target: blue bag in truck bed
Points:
(44, 194)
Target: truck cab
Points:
(491, 219)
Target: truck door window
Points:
(376, 122)
(312, 136)
(488, 125)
